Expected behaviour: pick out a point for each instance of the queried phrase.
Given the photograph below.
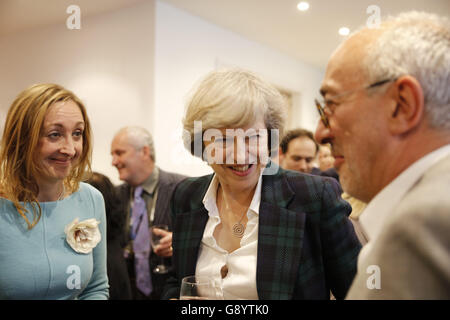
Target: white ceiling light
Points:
(303, 6)
(344, 31)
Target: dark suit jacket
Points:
(166, 185)
(327, 173)
(306, 243)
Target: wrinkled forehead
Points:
(63, 113)
(345, 69)
(120, 141)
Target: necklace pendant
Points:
(238, 230)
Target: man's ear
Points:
(146, 151)
(408, 111)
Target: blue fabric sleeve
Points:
(98, 288)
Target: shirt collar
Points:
(210, 200)
(149, 185)
(382, 205)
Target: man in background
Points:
(298, 151)
(325, 157)
(146, 193)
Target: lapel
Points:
(280, 239)
(190, 226)
(162, 203)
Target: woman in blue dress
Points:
(52, 225)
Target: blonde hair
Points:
(18, 165)
(232, 98)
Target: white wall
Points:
(108, 64)
(186, 48)
(136, 66)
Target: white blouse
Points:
(240, 281)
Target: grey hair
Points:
(417, 44)
(139, 137)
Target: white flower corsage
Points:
(83, 236)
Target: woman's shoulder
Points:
(296, 177)
(302, 184)
(189, 193)
(86, 189)
(194, 183)
(88, 199)
(3, 195)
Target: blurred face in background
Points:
(326, 159)
(300, 155)
(133, 164)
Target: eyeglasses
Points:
(326, 111)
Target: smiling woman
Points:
(249, 228)
(35, 146)
(45, 153)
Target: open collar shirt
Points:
(383, 204)
(240, 281)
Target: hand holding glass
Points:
(161, 268)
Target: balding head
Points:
(138, 137)
(133, 154)
(387, 100)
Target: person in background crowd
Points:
(325, 158)
(298, 151)
(133, 155)
(326, 165)
(119, 283)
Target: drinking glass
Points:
(161, 268)
(199, 288)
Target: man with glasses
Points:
(386, 113)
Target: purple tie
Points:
(140, 234)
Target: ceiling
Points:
(19, 15)
(309, 36)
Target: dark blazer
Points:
(306, 243)
(166, 185)
(332, 172)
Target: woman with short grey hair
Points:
(259, 231)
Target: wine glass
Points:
(161, 268)
(199, 288)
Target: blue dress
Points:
(40, 264)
